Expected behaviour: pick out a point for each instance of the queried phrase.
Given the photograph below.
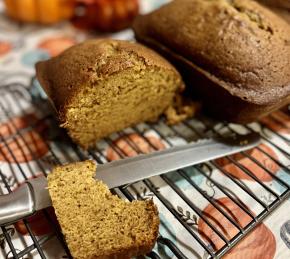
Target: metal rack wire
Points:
(17, 99)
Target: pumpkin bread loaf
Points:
(233, 54)
(102, 86)
(95, 223)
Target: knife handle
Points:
(17, 204)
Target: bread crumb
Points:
(181, 110)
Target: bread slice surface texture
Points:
(95, 223)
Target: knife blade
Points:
(34, 195)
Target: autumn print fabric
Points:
(33, 144)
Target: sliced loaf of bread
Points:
(95, 223)
(105, 85)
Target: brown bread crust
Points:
(285, 14)
(280, 7)
(234, 53)
(277, 3)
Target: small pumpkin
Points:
(260, 243)
(106, 15)
(130, 144)
(249, 164)
(26, 147)
(39, 11)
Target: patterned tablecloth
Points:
(21, 46)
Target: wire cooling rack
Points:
(22, 143)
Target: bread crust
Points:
(234, 54)
(284, 13)
(280, 7)
(277, 3)
(217, 100)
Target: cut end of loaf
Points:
(95, 223)
(126, 98)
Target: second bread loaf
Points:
(234, 54)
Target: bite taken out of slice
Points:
(103, 86)
(95, 223)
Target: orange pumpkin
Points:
(40, 11)
(259, 243)
(38, 223)
(106, 15)
(15, 146)
(123, 144)
(280, 122)
(5, 47)
(57, 44)
(258, 171)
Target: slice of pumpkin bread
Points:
(96, 223)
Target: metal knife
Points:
(33, 195)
